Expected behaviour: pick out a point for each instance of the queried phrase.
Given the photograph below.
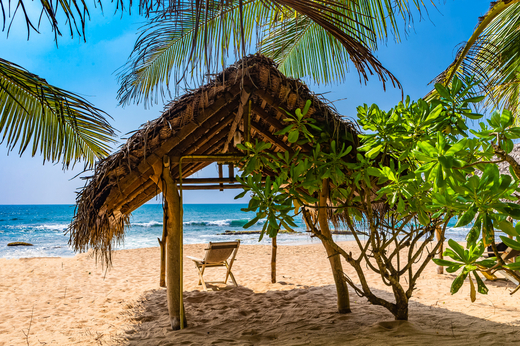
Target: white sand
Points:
(72, 302)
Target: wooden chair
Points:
(217, 255)
(508, 255)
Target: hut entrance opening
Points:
(171, 274)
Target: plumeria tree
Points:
(418, 167)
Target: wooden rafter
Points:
(244, 97)
(221, 107)
(200, 148)
(147, 190)
(271, 138)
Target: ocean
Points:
(44, 226)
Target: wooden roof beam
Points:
(211, 187)
(274, 122)
(262, 94)
(268, 118)
(244, 97)
(209, 143)
(143, 194)
(271, 138)
(219, 108)
(126, 189)
(208, 180)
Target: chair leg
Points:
(198, 270)
(202, 278)
(230, 274)
(233, 278)
(227, 271)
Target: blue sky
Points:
(88, 69)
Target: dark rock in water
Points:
(341, 232)
(333, 232)
(19, 243)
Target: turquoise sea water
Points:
(45, 226)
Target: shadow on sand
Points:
(305, 316)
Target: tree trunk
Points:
(401, 303)
(273, 260)
(401, 312)
(162, 244)
(334, 258)
(173, 249)
(438, 234)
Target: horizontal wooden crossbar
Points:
(211, 187)
(210, 158)
(208, 180)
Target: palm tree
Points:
(492, 53)
(307, 38)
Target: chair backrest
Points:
(219, 252)
(510, 255)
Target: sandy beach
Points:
(73, 301)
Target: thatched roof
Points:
(202, 122)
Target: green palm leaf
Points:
(302, 48)
(180, 43)
(488, 21)
(73, 13)
(60, 125)
(492, 53)
(196, 39)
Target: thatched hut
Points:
(243, 103)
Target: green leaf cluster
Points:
(432, 165)
(469, 260)
(294, 178)
(419, 158)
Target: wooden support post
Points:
(162, 244)
(173, 247)
(334, 258)
(273, 260)
(438, 234)
(231, 173)
(220, 175)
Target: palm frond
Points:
(185, 44)
(478, 58)
(73, 13)
(495, 11)
(338, 24)
(60, 125)
(504, 72)
(304, 49)
(196, 38)
(367, 20)
(492, 54)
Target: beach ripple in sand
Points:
(76, 302)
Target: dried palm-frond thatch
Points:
(202, 122)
